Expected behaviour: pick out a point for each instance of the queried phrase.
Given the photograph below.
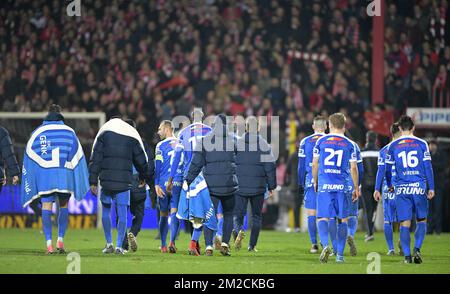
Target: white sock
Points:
(49, 242)
(60, 239)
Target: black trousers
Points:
(228, 203)
(256, 204)
(435, 212)
(370, 206)
(137, 209)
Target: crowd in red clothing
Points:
(154, 59)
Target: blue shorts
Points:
(310, 198)
(354, 207)
(389, 210)
(170, 201)
(50, 198)
(332, 204)
(407, 204)
(121, 198)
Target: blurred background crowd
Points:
(154, 59)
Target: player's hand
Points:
(377, 195)
(94, 190)
(185, 185)
(159, 191)
(15, 180)
(4, 182)
(169, 185)
(270, 193)
(316, 186)
(430, 194)
(355, 195)
(391, 189)
(141, 184)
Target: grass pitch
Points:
(22, 251)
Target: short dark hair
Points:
(55, 108)
(406, 123)
(131, 122)
(394, 129)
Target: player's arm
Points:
(158, 165)
(355, 178)
(95, 164)
(315, 172)
(429, 172)
(174, 166)
(379, 179)
(270, 170)
(354, 172)
(197, 163)
(388, 163)
(7, 154)
(315, 165)
(301, 164)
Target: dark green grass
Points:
(22, 251)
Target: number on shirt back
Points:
(330, 159)
(409, 159)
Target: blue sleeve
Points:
(301, 171)
(429, 173)
(388, 174)
(360, 172)
(379, 179)
(175, 162)
(158, 164)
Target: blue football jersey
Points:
(381, 162)
(335, 152)
(306, 151)
(164, 154)
(188, 138)
(407, 154)
(359, 161)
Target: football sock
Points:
(106, 222)
(342, 233)
(322, 227)
(122, 223)
(419, 236)
(63, 221)
(332, 227)
(312, 229)
(389, 235)
(174, 226)
(47, 224)
(163, 229)
(405, 240)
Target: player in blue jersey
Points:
(334, 160)
(381, 192)
(165, 152)
(411, 159)
(54, 169)
(305, 180)
(187, 138)
(353, 213)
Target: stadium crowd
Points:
(151, 60)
